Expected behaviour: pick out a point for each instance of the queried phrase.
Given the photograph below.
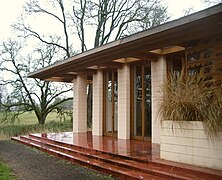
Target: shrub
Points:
(192, 98)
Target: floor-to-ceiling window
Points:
(111, 103)
(141, 101)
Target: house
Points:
(127, 75)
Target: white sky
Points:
(10, 10)
(177, 7)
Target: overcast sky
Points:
(10, 10)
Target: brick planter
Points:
(187, 142)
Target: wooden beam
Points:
(114, 65)
(146, 56)
(167, 50)
(86, 72)
(126, 60)
(95, 67)
(60, 79)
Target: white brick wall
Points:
(97, 120)
(158, 77)
(80, 104)
(188, 143)
(124, 102)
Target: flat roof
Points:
(179, 33)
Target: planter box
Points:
(187, 142)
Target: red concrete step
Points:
(165, 171)
(120, 162)
(120, 172)
(147, 166)
(43, 139)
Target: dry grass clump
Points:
(214, 121)
(192, 98)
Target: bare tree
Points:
(105, 20)
(115, 19)
(33, 7)
(80, 18)
(1, 98)
(102, 20)
(112, 20)
(30, 95)
(212, 1)
(3, 95)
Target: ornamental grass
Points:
(192, 98)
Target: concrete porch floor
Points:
(125, 159)
(143, 150)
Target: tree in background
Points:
(33, 7)
(3, 95)
(29, 95)
(100, 21)
(208, 3)
(113, 20)
(212, 1)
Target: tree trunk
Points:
(42, 119)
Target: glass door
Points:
(111, 103)
(141, 102)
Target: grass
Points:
(28, 124)
(192, 98)
(21, 129)
(5, 172)
(30, 118)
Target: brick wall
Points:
(188, 143)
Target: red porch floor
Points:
(138, 149)
(128, 158)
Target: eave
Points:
(146, 45)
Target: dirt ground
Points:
(31, 164)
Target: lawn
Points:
(30, 118)
(5, 172)
(28, 123)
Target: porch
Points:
(139, 150)
(126, 78)
(124, 159)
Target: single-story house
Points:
(127, 75)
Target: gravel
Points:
(31, 164)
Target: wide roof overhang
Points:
(147, 45)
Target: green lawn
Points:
(30, 118)
(5, 172)
(28, 124)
